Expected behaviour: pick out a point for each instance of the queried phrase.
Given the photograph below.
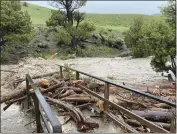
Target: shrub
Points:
(25, 4)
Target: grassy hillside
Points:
(38, 14)
(117, 22)
(113, 20)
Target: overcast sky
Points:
(116, 7)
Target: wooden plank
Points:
(173, 104)
(143, 121)
(106, 95)
(121, 123)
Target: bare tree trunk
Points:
(158, 116)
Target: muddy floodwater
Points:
(127, 70)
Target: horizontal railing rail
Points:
(49, 121)
(106, 101)
(173, 104)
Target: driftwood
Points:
(158, 116)
(57, 94)
(162, 105)
(15, 94)
(76, 114)
(66, 106)
(132, 122)
(132, 102)
(50, 89)
(78, 96)
(13, 101)
(79, 99)
(158, 109)
(83, 106)
(67, 93)
(21, 92)
(37, 76)
(135, 123)
(77, 90)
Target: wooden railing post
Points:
(37, 113)
(61, 72)
(106, 95)
(173, 122)
(77, 75)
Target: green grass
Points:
(113, 20)
(39, 15)
(117, 22)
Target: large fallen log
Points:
(37, 76)
(138, 124)
(21, 92)
(15, 94)
(76, 114)
(158, 109)
(158, 116)
(162, 105)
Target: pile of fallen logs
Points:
(158, 113)
(62, 94)
(70, 100)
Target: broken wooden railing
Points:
(143, 121)
(46, 119)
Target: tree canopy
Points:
(16, 27)
(13, 20)
(155, 38)
(69, 20)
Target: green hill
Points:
(118, 22)
(38, 14)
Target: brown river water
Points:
(127, 70)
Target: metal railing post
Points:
(37, 113)
(106, 95)
(61, 72)
(28, 94)
(77, 75)
(173, 122)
